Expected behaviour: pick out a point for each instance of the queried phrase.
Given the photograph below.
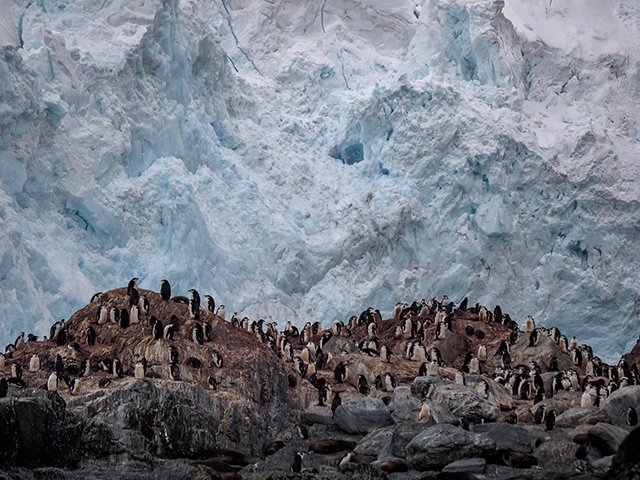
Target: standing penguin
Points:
(340, 372)
(550, 420)
(221, 312)
(165, 290)
(209, 303)
(336, 402)
(91, 336)
(52, 382)
(632, 417)
(34, 364)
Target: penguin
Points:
(117, 368)
(167, 333)
(397, 311)
(425, 411)
(194, 310)
(61, 337)
(104, 382)
(19, 341)
(212, 382)
(197, 334)
(173, 354)
(524, 390)
(74, 386)
(296, 464)
(323, 395)
(85, 367)
(143, 305)
(534, 338)
(16, 371)
(221, 312)
(632, 417)
(385, 354)
(529, 325)
(217, 359)
(95, 297)
(74, 346)
(363, 385)
(91, 336)
(134, 297)
(174, 372)
(52, 382)
(195, 296)
(550, 420)
(497, 314)
(194, 362)
(165, 290)
(573, 343)
(4, 388)
(140, 368)
(503, 347)
(124, 318)
(208, 331)
(397, 332)
(479, 334)
(441, 330)
(576, 356)
(482, 353)
(513, 337)
(539, 414)
(553, 365)
(32, 338)
(540, 395)
(102, 315)
(133, 285)
(114, 315)
(483, 314)
(158, 330)
(474, 366)
(105, 364)
(335, 403)
(34, 363)
(2, 363)
(464, 304)
(512, 417)
(459, 378)
(389, 382)
(209, 303)
(340, 372)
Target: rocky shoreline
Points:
(439, 391)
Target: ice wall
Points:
(305, 160)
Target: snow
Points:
(305, 160)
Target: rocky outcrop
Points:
(362, 415)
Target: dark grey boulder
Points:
(618, 403)
(442, 444)
(377, 443)
(360, 415)
(514, 438)
(458, 399)
(606, 438)
(576, 415)
(468, 465)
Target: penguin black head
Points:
(550, 420)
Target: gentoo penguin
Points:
(195, 296)
(74, 386)
(105, 364)
(474, 366)
(208, 331)
(95, 297)
(432, 369)
(85, 367)
(483, 314)
(102, 315)
(61, 337)
(539, 414)
(209, 303)
(16, 371)
(336, 328)
(574, 343)
(482, 353)
(173, 354)
(221, 312)
(134, 297)
(550, 419)
(91, 336)
(174, 372)
(213, 383)
(336, 402)
(217, 359)
(340, 372)
(513, 337)
(323, 394)
(441, 330)
(165, 290)
(397, 311)
(104, 382)
(529, 325)
(497, 314)
(33, 338)
(534, 338)
(34, 364)
(193, 362)
(553, 365)
(52, 382)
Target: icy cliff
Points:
(307, 159)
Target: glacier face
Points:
(305, 160)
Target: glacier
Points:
(304, 160)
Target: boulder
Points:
(443, 444)
(360, 415)
(606, 438)
(468, 465)
(377, 443)
(458, 399)
(576, 415)
(618, 403)
(490, 390)
(626, 462)
(514, 438)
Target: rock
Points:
(360, 415)
(318, 414)
(617, 404)
(468, 465)
(496, 394)
(626, 462)
(514, 438)
(377, 443)
(340, 346)
(606, 438)
(37, 430)
(442, 444)
(458, 399)
(403, 434)
(576, 415)
(554, 453)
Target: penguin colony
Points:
(416, 341)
